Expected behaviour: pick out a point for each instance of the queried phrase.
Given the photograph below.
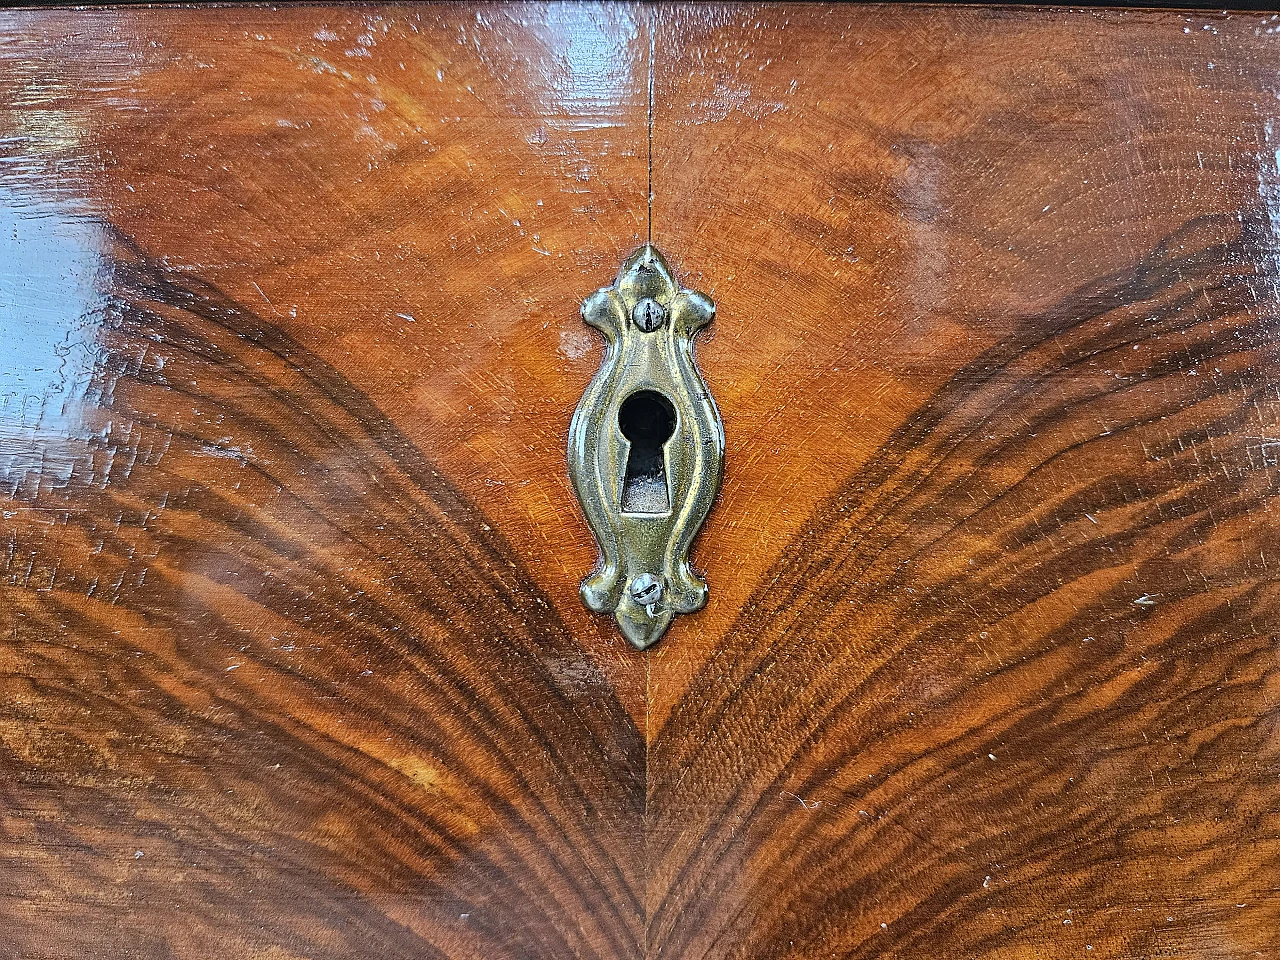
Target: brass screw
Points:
(646, 589)
(649, 315)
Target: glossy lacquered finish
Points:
(292, 658)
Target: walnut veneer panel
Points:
(992, 666)
(292, 662)
(272, 683)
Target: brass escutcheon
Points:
(646, 449)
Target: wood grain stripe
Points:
(276, 649)
(1016, 687)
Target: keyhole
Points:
(647, 419)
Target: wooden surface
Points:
(292, 662)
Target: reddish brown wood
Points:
(991, 670)
(292, 662)
(278, 677)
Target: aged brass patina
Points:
(646, 449)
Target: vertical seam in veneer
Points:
(648, 656)
(652, 48)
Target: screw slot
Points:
(649, 315)
(646, 589)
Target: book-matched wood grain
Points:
(291, 658)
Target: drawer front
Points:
(293, 661)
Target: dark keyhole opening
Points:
(647, 419)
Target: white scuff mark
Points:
(1269, 447)
(574, 345)
(263, 295)
(227, 453)
(1269, 179)
(807, 804)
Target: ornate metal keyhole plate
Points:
(646, 448)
